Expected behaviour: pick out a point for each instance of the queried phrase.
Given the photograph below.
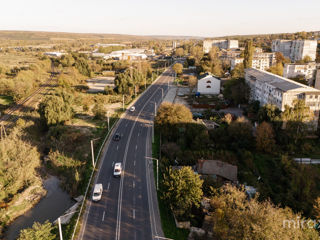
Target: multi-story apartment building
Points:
(295, 49)
(260, 60)
(307, 70)
(269, 88)
(222, 44)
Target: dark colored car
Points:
(117, 137)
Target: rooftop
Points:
(281, 83)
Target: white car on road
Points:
(132, 109)
(97, 192)
(117, 170)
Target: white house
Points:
(208, 84)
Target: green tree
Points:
(83, 66)
(248, 54)
(306, 59)
(172, 118)
(237, 91)
(276, 69)
(38, 232)
(281, 59)
(240, 132)
(297, 119)
(238, 71)
(233, 216)
(56, 109)
(265, 141)
(19, 161)
(99, 111)
(179, 52)
(177, 67)
(197, 53)
(182, 190)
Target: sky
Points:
(205, 18)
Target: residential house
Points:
(208, 84)
(217, 168)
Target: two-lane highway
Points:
(128, 208)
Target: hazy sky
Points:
(207, 18)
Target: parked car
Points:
(117, 170)
(117, 137)
(97, 192)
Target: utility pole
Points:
(92, 153)
(108, 120)
(122, 102)
(145, 82)
(60, 230)
(152, 132)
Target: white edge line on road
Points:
(105, 146)
(150, 203)
(124, 163)
(103, 215)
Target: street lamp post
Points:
(164, 238)
(122, 102)
(59, 223)
(108, 120)
(92, 151)
(60, 230)
(157, 160)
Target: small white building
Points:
(128, 54)
(208, 84)
(54, 54)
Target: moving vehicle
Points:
(117, 170)
(97, 192)
(117, 137)
(132, 109)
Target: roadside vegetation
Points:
(56, 135)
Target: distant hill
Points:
(49, 36)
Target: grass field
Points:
(17, 59)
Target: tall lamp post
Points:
(92, 151)
(59, 223)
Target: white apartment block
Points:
(260, 60)
(308, 71)
(269, 88)
(296, 49)
(222, 44)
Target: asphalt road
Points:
(129, 207)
